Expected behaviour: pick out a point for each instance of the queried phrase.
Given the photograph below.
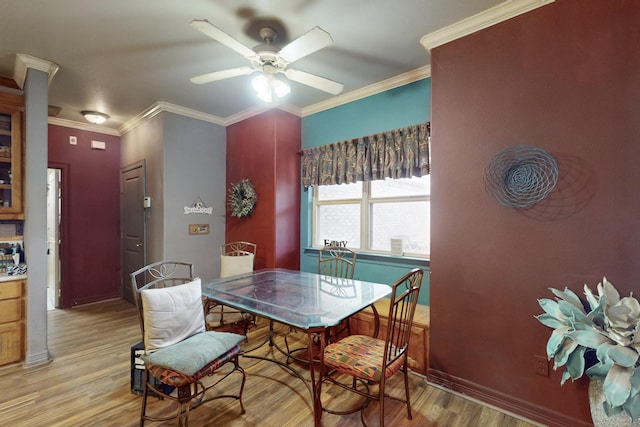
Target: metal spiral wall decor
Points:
(520, 176)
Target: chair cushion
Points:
(193, 358)
(171, 314)
(232, 265)
(360, 356)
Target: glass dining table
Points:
(306, 301)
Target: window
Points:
(367, 215)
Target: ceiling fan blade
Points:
(312, 80)
(216, 33)
(311, 41)
(220, 75)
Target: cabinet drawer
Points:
(10, 290)
(10, 310)
(10, 342)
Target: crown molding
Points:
(188, 112)
(82, 126)
(145, 115)
(482, 20)
(161, 106)
(9, 83)
(392, 83)
(245, 114)
(291, 109)
(24, 62)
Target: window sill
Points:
(392, 259)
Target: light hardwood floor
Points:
(88, 384)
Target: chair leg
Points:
(183, 418)
(381, 400)
(184, 403)
(145, 393)
(238, 368)
(405, 371)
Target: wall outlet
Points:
(541, 365)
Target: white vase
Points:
(599, 417)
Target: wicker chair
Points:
(179, 353)
(370, 361)
(235, 258)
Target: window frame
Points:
(366, 203)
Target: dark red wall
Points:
(565, 78)
(91, 211)
(265, 149)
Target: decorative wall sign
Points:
(198, 207)
(339, 243)
(242, 198)
(198, 228)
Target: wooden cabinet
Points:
(11, 321)
(11, 108)
(363, 323)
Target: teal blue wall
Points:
(396, 108)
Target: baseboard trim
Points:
(37, 359)
(518, 408)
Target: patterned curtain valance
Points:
(399, 153)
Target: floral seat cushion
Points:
(360, 356)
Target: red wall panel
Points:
(91, 211)
(564, 78)
(264, 149)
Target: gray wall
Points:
(194, 167)
(185, 159)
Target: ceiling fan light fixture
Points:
(95, 117)
(267, 87)
(271, 60)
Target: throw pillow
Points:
(172, 314)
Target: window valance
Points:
(399, 153)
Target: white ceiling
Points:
(123, 56)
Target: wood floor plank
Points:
(88, 384)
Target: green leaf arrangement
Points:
(610, 328)
(242, 198)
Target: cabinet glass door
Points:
(5, 160)
(10, 163)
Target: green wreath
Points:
(242, 198)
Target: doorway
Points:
(54, 222)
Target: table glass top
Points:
(297, 298)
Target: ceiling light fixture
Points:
(95, 117)
(267, 87)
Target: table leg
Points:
(316, 383)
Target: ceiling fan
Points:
(270, 59)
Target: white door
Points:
(53, 238)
